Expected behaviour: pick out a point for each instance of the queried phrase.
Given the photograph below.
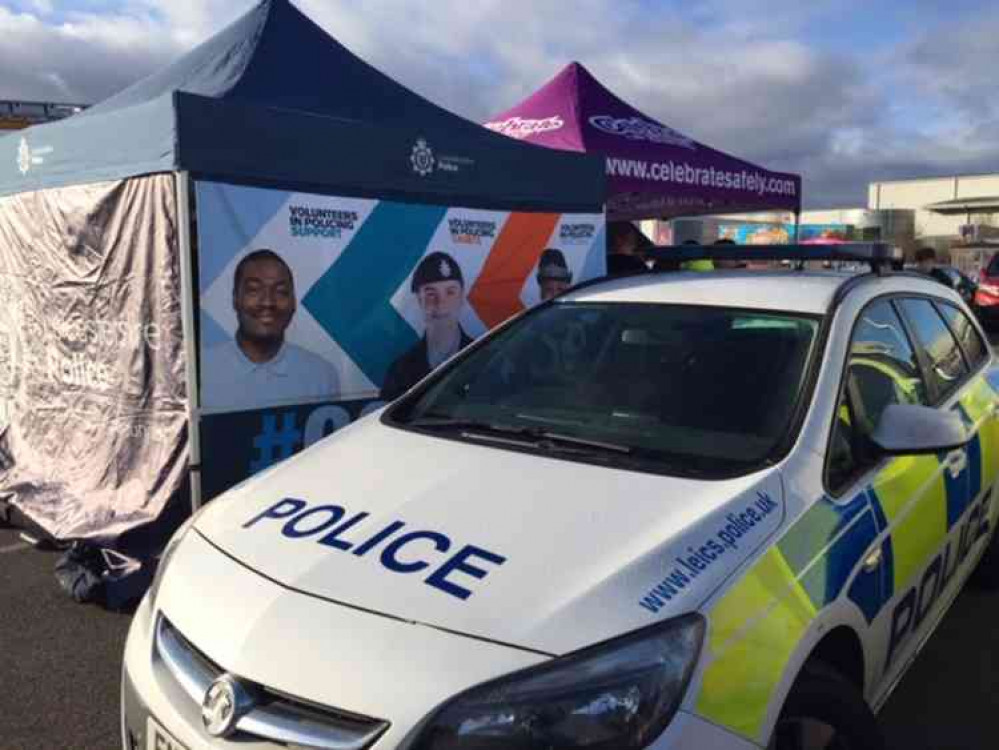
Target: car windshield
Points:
(993, 267)
(676, 389)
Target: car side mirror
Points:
(910, 429)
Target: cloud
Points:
(767, 80)
(954, 72)
(84, 58)
(190, 21)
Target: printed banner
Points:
(93, 417)
(239, 444)
(312, 299)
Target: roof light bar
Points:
(878, 255)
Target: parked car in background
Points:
(960, 282)
(987, 293)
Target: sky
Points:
(843, 92)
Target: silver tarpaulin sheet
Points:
(93, 422)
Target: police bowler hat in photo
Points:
(437, 266)
(552, 266)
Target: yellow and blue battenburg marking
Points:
(827, 543)
(913, 503)
(753, 631)
(963, 489)
(909, 496)
(758, 623)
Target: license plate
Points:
(157, 738)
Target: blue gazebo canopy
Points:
(274, 100)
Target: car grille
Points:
(275, 716)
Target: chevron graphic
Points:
(495, 295)
(351, 301)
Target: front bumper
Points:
(292, 648)
(311, 650)
(150, 698)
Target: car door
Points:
(976, 401)
(926, 509)
(979, 400)
(905, 494)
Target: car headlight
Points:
(620, 694)
(168, 551)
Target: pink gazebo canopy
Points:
(653, 171)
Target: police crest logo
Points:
(422, 158)
(24, 156)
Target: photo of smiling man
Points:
(440, 292)
(258, 367)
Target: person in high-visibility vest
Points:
(702, 264)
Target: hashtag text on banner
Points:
(274, 443)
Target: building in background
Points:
(957, 215)
(15, 115)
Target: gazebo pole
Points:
(188, 312)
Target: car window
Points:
(993, 267)
(946, 365)
(975, 349)
(681, 389)
(881, 369)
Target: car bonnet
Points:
(523, 549)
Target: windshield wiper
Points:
(555, 442)
(535, 436)
(432, 422)
(560, 439)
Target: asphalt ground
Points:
(59, 660)
(60, 663)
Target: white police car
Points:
(685, 511)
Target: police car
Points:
(687, 511)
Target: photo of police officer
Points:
(258, 367)
(554, 276)
(440, 292)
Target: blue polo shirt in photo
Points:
(232, 382)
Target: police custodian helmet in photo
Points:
(552, 265)
(437, 266)
(439, 287)
(554, 276)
